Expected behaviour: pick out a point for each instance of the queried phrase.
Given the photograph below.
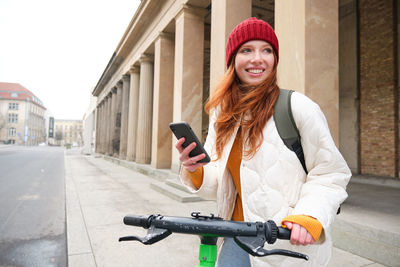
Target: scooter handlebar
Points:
(250, 236)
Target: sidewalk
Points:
(100, 193)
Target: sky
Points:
(58, 49)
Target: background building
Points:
(89, 127)
(49, 128)
(22, 114)
(342, 54)
(68, 133)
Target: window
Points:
(13, 106)
(12, 118)
(11, 132)
(14, 94)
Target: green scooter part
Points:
(208, 251)
(207, 255)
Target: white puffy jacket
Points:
(274, 184)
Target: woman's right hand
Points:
(190, 164)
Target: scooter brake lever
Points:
(153, 235)
(254, 246)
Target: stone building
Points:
(22, 116)
(89, 130)
(343, 54)
(68, 132)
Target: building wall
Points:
(35, 121)
(68, 132)
(342, 54)
(3, 120)
(24, 113)
(29, 129)
(378, 89)
(89, 130)
(18, 126)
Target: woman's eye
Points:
(245, 50)
(268, 50)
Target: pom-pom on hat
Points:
(250, 29)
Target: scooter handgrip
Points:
(137, 220)
(284, 233)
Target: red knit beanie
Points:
(250, 29)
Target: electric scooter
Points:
(250, 236)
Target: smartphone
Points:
(183, 129)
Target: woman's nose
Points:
(256, 56)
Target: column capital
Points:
(118, 85)
(193, 11)
(165, 35)
(114, 90)
(126, 77)
(146, 58)
(134, 69)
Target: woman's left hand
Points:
(299, 235)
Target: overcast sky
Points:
(59, 49)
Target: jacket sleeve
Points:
(208, 189)
(328, 174)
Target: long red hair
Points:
(248, 106)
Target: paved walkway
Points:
(100, 193)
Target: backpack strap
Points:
(286, 126)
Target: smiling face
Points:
(254, 62)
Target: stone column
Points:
(103, 126)
(109, 122)
(113, 115)
(225, 15)
(100, 122)
(188, 72)
(349, 104)
(103, 118)
(143, 134)
(117, 120)
(124, 117)
(309, 53)
(103, 133)
(163, 97)
(98, 126)
(133, 113)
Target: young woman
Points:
(253, 175)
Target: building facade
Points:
(89, 127)
(342, 54)
(22, 116)
(68, 133)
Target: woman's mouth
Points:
(255, 71)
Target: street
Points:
(32, 206)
